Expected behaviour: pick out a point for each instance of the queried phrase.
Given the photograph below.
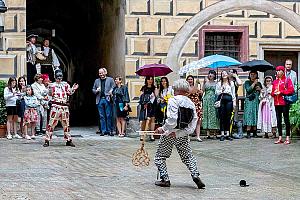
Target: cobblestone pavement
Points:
(100, 168)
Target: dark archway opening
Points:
(88, 34)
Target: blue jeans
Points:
(104, 109)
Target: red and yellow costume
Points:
(60, 93)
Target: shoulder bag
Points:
(218, 103)
(290, 99)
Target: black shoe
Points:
(46, 144)
(111, 134)
(199, 183)
(70, 143)
(98, 132)
(101, 134)
(255, 135)
(228, 138)
(209, 137)
(222, 138)
(163, 183)
(248, 136)
(152, 139)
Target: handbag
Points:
(218, 103)
(128, 108)
(290, 99)
(18, 102)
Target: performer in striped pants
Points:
(181, 121)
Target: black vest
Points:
(185, 116)
(48, 60)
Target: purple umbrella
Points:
(154, 70)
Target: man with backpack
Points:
(181, 121)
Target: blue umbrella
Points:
(213, 61)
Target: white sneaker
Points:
(17, 136)
(27, 137)
(9, 136)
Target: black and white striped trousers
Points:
(164, 151)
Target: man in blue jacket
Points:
(103, 90)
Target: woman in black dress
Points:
(147, 103)
(121, 104)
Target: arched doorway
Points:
(88, 35)
(192, 25)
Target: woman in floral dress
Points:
(210, 121)
(196, 96)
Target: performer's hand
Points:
(159, 130)
(173, 134)
(75, 86)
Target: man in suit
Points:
(102, 88)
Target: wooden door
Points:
(277, 58)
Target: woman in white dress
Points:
(267, 121)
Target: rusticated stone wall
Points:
(12, 40)
(150, 26)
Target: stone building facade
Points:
(12, 40)
(150, 26)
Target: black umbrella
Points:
(257, 65)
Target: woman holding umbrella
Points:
(147, 104)
(252, 87)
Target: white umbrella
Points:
(213, 61)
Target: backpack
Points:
(185, 116)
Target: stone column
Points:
(113, 38)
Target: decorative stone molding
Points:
(215, 10)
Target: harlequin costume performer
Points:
(60, 92)
(181, 121)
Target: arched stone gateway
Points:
(88, 35)
(223, 7)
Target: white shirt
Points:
(55, 61)
(39, 90)
(226, 89)
(172, 114)
(167, 91)
(10, 97)
(292, 75)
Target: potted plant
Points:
(3, 117)
(295, 118)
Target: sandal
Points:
(278, 142)
(287, 142)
